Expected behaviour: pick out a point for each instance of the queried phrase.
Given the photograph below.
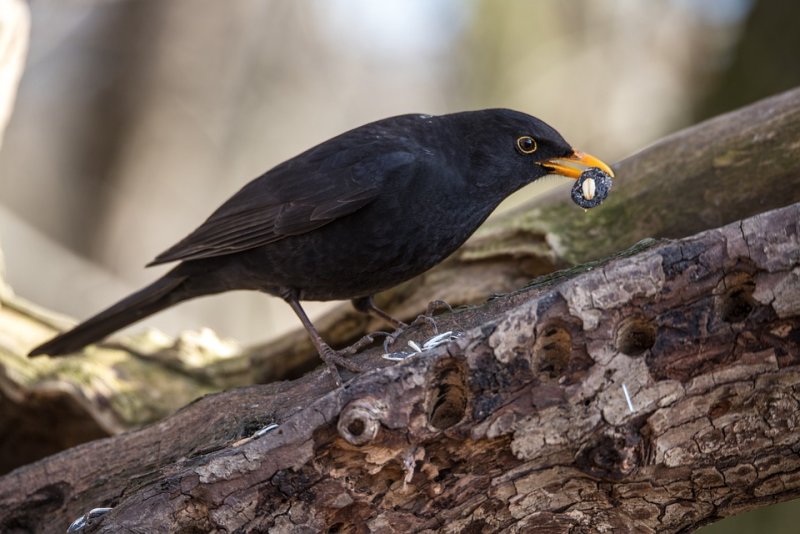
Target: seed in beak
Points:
(588, 188)
(591, 188)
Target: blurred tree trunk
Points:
(14, 34)
(86, 134)
(14, 31)
(763, 63)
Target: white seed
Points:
(440, 339)
(588, 188)
(397, 356)
(413, 345)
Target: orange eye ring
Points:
(526, 144)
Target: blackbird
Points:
(350, 217)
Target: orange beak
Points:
(572, 166)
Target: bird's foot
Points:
(334, 360)
(391, 338)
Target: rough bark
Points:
(652, 392)
(722, 170)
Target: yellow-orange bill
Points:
(572, 166)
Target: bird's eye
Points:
(526, 144)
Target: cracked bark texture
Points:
(652, 392)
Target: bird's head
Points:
(520, 149)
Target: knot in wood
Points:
(359, 421)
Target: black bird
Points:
(350, 217)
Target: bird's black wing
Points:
(321, 185)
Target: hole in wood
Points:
(552, 351)
(611, 456)
(356, 427)
(635, 335)
(734, 300)
(359, 421)
(447, 401)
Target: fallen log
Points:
(652, 392)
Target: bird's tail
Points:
(159, 295)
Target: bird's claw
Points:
(430, 311)
(426, 319)
(435, 305)
(391, 338)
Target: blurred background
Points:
(136, 118)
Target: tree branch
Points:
(653, 392)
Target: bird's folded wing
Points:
(298, 196)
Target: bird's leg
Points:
(367, 305)
(326, 353)
(436, 305)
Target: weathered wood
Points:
(522, 422)
(722, 170)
